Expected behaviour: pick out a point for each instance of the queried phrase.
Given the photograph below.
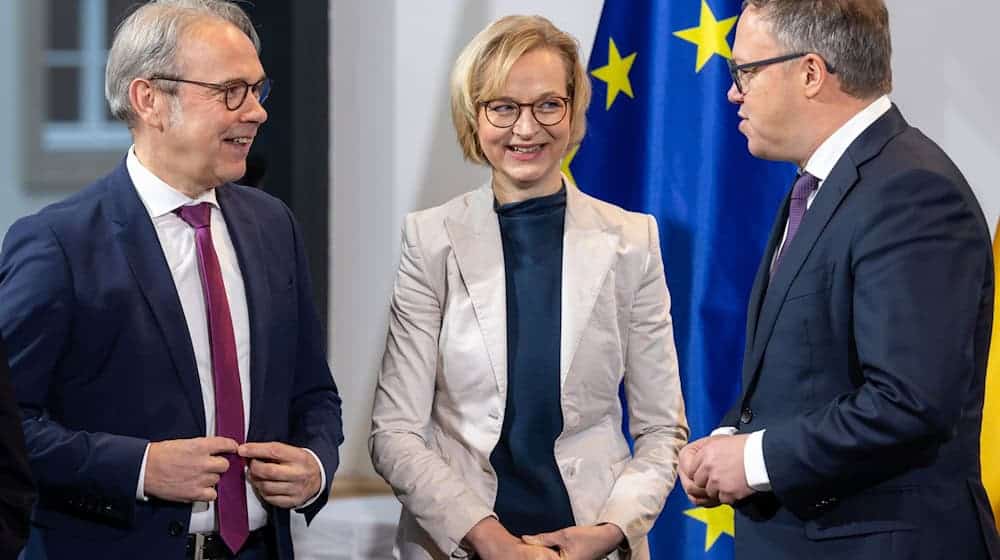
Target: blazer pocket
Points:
(881, 510)
(813, 281)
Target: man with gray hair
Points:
(165, 351)
(857, 432)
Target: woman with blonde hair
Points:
(518, 311)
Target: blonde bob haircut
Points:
(483, 66)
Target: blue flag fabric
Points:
(663, 139)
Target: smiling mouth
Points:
(525, 149)
(240, 140)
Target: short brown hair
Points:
(484, 64)
(852, 36)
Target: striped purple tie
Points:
(231, 505)
(803, 187)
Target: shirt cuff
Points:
(140, 492)
(724, 431)
(753, 463)
(322, 485)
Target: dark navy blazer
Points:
(102, 362)
(865, 362)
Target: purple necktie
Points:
(803, 187)
(231, 505)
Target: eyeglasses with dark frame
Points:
(739, 70)
(503, 113)
(235, 91)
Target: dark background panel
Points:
(290, 157)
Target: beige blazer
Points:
(441, 394)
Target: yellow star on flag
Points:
(568, 159)
(717, 520)
(615, 73)
(710, 36)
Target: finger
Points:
(273, 471)
(702, 475)
(220, 465)
(692, 489)
(268, 451)
(271, 488)
(554, 538)
(216, 445)
(206, 495)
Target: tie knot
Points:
(197, 215)
(804, 186)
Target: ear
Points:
(815, 74)
(148, 103)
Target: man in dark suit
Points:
(857, 432)
(167, 357)
(17, 490)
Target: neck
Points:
(829, 117)
(152, 160)
(507, 191)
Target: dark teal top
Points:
(531, 496)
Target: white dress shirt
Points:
(819, 165)
(177, 239)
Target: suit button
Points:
(746, 416)
(175, 528)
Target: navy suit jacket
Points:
(865, 362)
(102, 362)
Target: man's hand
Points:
(492, 541)
(186, 470)
(717, 469)
(689, 461)
(588, 542)
(283, 475)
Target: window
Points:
(76, 113)
(69, 137)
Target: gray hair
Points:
(147, 41)
(852, 36)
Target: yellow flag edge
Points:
(990, 438)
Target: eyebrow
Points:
(232, 80)
(546, 95)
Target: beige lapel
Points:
(475, 238)
(589, 248)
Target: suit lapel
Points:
(247, 241)
(589, 250)
(475, 239)
(762, 279)
(137, 239)
(841, 180)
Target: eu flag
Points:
(663, 139)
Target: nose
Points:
(525, 125)
(253, 111)
(734, 95)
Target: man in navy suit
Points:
(857, 432)
(166, 355)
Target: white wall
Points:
(393, 149)
(946, 80)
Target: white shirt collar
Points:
(158, 197)
(830, 151)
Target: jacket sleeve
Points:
(434, 493)
(315, 413)
(920, 266)
(657, 421)
(91, 472)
